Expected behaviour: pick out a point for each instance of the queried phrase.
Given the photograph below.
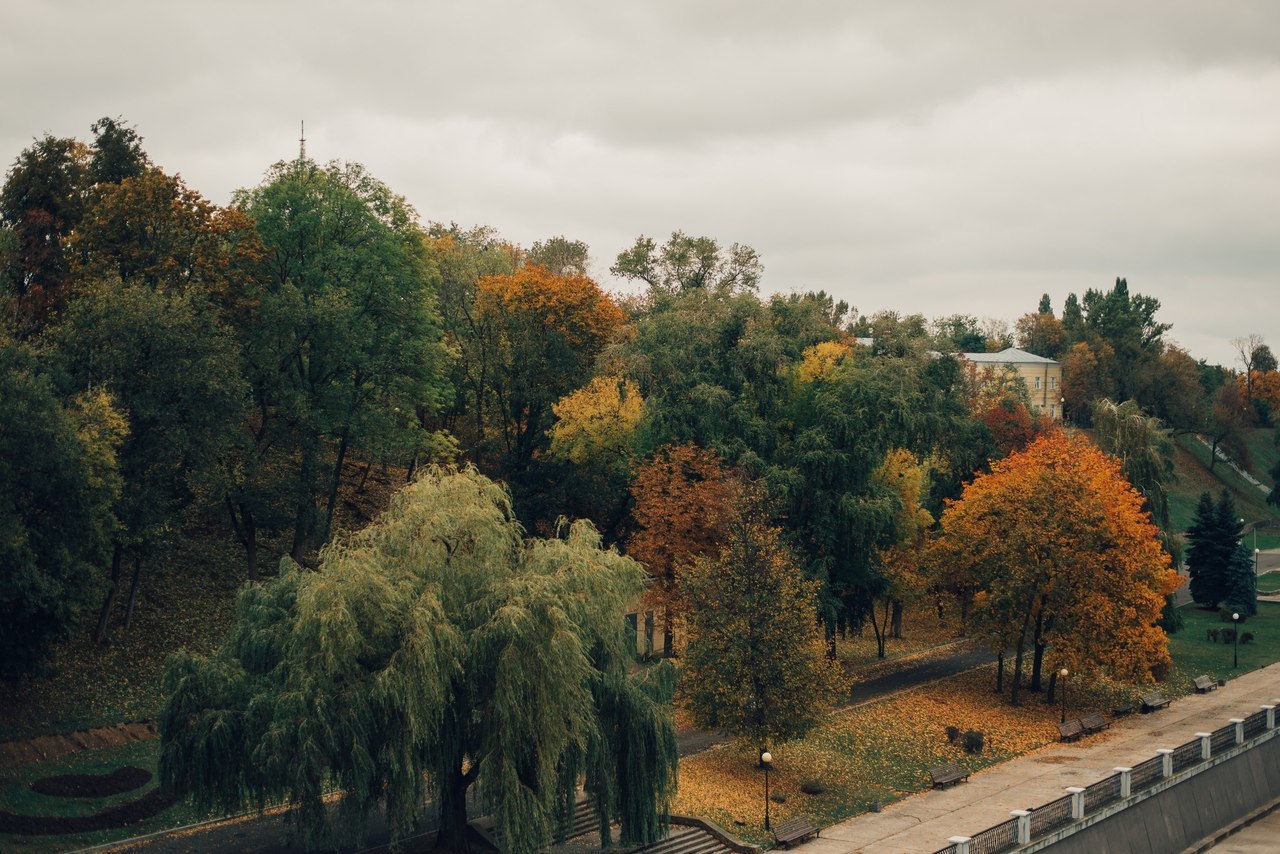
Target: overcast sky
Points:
(933, 157)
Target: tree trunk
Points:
(104, 616)
(1038, 655)
(881, 629)
(1000, 672)
(896, 624)
(133, 592)
(333, 485)
(1017, 671)
(452, 835)
(1053, 687)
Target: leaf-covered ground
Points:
(876, 752)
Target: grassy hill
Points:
(1191, 462)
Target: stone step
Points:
(688, 840)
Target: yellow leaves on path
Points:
(876, 752)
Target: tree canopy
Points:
(436, 644)
(1064, 560)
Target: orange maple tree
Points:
(684, 498)
(550, 328)
(1064, 560)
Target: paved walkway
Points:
(924, 822)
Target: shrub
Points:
(1247, 637)
(1213, 635)
(778, 797)
(812, 787)
(973, 741)
(1228, 635)
(953, 732)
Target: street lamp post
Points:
(766, 759)
(1235, 652)
(1063, 678)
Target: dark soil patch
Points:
(93, 785)
(48, 746)
(151, 804)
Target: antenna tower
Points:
(302, 143)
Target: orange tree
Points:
(683, 499)
(1064, 559)
(549, 329)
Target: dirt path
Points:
(46, 746)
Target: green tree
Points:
(434, 645)
(343, 344)
(40, 204)
(687, 263)
(175, 373)
(117, 152)
(1211, 541)
(1144, 449)
(754, 663)
(1242, 583)
(58, 476)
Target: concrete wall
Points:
(1185, 813)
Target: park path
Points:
(962, 658)
(922, 823)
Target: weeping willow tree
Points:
(434, 651)
(1144, 449)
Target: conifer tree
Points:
(1214, 537)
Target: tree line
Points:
(778, 479)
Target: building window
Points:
(1037, 383)
(1053, 410)
(1053, 382)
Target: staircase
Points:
(688, 840)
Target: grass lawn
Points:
(1269, 582)
(1194, 654)
(17, 797)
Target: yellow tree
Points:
(1064, 560)
(899, 565)
(596, 425)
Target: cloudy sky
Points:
(933, 157)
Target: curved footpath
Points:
(924, 822)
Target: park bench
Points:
(1154, 700)
(1204, 685)
(795, 829)
(1094, 722)
(1071, 730)
(947, 775)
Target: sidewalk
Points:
(924, 822)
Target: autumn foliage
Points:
(1064, 560)
(683, 501)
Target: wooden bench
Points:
(795, 829)
(1204, 685)
(948, 775)
(1071, 730)
(1094, 722)
(1154, 700)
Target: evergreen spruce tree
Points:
(1242, 584)
(1206, 556)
